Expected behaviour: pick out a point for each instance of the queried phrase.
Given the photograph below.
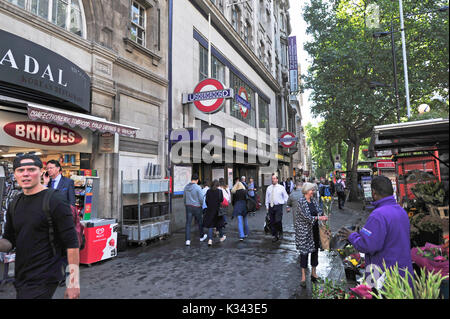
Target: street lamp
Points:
(402, 30)
(394, 63)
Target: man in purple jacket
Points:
(385, 236)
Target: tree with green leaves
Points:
(346, 58)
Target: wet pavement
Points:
(253, 269)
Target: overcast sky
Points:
(299, 30)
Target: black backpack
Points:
(46, 209)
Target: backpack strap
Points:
(46, 209)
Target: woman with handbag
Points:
(211, 219)
(307, 238)
(239, 201)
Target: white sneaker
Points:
(223, 238)
(204, 237)
(188, 242)
(210, 242)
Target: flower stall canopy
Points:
(427, 135)
(84, 121)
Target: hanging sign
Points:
(288, 139)
(209, 96)
(242, 101)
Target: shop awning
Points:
(84, 121)
(427, 135)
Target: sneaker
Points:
(210, 242)
(204, 237)
(241, 239)
(223, 238)
(188, 242)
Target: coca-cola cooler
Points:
(101, 240)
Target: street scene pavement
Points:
(253, 269)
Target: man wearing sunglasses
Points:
(28, 228)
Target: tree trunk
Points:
(354, 174)
(349, 156)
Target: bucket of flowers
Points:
(353, 265)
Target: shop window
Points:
(203, 66)
(263, 113)
(236, 83)
(217, 67)
(67, 14)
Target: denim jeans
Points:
(192, 212)
(210, 232)
(243, 226)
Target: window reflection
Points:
(67, 14)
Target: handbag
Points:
(224, 203)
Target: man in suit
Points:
(55, 180)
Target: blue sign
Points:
(243, 101)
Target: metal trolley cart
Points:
(143, 222)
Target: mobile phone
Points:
(46, 174)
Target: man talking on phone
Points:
(55, 180)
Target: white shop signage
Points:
(18, 130)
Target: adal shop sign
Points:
(37, 69)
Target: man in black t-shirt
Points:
(37, 268)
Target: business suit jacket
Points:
(67, 188)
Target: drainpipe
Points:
(169, 104)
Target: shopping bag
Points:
(325, 236)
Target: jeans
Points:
(210, 233)
(196, 212)
(243, 226)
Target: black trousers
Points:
(341, 199)
(315, 254)
(36, 292)
(276, 217)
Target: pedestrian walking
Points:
(251, 194)
(193, 201)
(211, 219)
(40, 226)
(385, 237)
(307, 238)
(276, 197)
(340, 191)
(291, 185)
(243, 181)
(239, 201)
(294, 197)
(205, 188)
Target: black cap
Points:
(36, 161)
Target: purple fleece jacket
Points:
(385, 236)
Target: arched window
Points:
(67, 14)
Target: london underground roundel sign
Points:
(288, 139)
(208, 96)
(242, 99)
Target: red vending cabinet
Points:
(101, 240)
(416, 169)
